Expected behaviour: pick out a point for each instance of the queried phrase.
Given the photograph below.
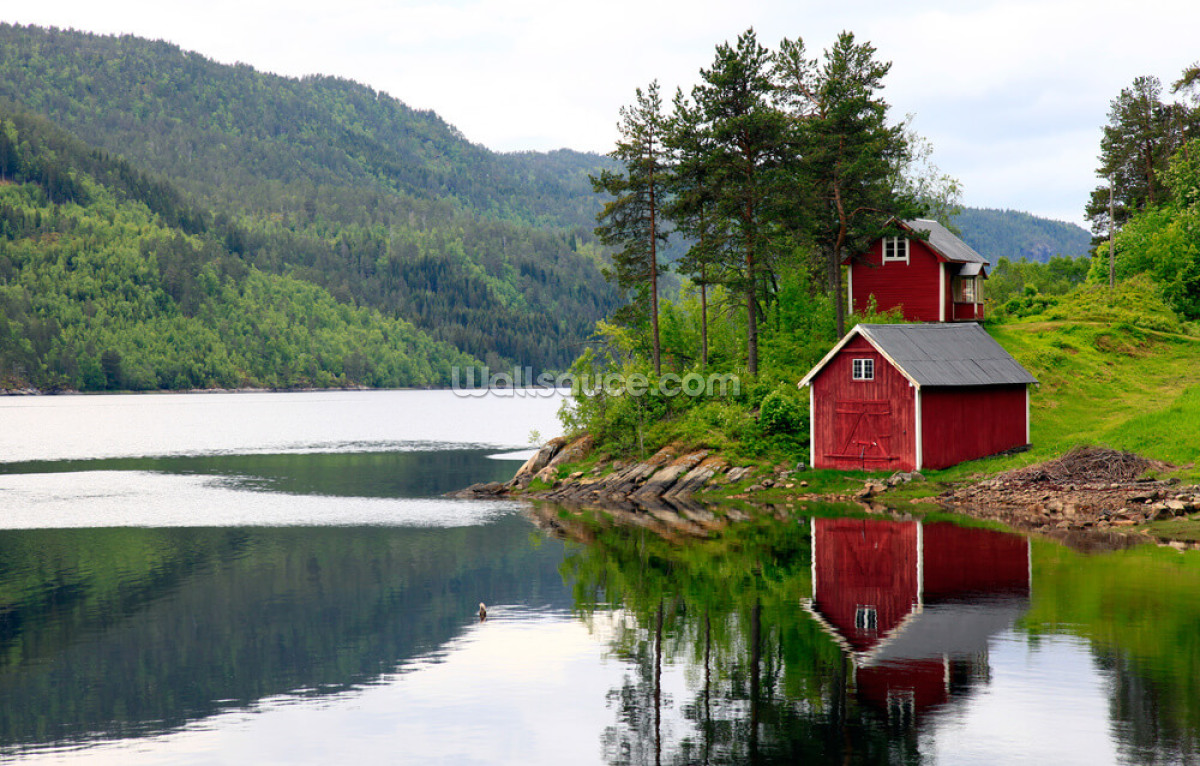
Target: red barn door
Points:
(863, 433)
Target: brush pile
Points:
(1085, 465)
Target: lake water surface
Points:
(274, 578)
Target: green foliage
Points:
(320, 179)
(1142, 135)
(1032, 285)
(105, 296)
(781, 412)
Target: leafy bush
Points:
(780, 413)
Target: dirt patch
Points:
(1089, 488)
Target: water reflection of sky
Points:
(145, 499)
(525, 687)
(1046, 702)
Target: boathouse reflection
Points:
(913, 605)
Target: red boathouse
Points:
(938, 279)
(905, 397)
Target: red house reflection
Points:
(915, 604)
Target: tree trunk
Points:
(703, 324)
(836, 265)
(751, 319)
(654, 276)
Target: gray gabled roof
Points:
(944, 242)
(959, 354)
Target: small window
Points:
(866, 618)
(864, 369)
(895, 249)
(965, 290)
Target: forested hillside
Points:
(333, 183)
(1011, 234)
(105, 284)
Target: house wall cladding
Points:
(964, 423)
(913, 285)
(866, 425)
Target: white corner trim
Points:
(918, 433)
(812, 433)
(941, 291)
(1027, 441)
(812, 534)
(920, 564)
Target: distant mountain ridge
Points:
(337, 184)
(1012, 234)
(221, 129)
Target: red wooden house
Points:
(913, 396)
(938, 279)
(915, 605)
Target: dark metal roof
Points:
(959, 354)
(943, 240)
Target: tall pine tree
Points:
(839, 125)
(745, 135)
(632, 220)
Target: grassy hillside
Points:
(1118, 371)
(333, 183)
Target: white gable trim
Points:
(858, 330)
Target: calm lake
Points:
(275, 579)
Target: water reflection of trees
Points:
(766, 684)
(132, 632)
(1140, 611)
(769, 686)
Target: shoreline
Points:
(677, 485)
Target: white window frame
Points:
(863, 369)
(866, 618)
(964, 285)
(895, 250)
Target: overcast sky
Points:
(1012, 95)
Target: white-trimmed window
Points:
(866, 618)
(895, 249)
(966, 290)
(864, 369)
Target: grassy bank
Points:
(1114, 370)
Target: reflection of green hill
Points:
(342, 474)
(117, 632)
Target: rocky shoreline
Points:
(669, 478)
(1087, 492)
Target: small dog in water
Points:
(482, 612)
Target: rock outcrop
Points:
(664, 481)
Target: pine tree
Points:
(692, 208)
(850, 152)
(745, 141)
(1142, 134)
(632, 221)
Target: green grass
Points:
(1184, 529)
(1114, 385)
(1114, 371)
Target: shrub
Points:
(780, 413)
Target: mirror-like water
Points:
(301, 594)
